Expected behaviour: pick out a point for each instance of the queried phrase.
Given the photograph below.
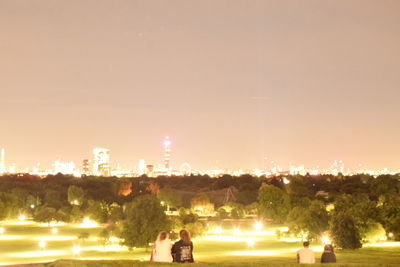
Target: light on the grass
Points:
(258, 225)
(218, 230)
(114, 239)
(325, 239)
(250, 243)
(42, 244)
(88, 223)
(2, 230)
(236, 231)
(76, 250)
(54, 231)
(22, 217)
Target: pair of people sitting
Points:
(181, 251)
(306, 255)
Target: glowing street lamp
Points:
(22, 217)
(236, 231)
(2, 230)
(325, 239)
(390, 235)
(42, 244)
(250, 243)
(76, 250)
(258, 225)
(32, 206)
(218, 230)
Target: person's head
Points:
(185, 236)
(306, 244)
(328, 248)
(162, 236)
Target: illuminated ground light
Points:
(236, 231)
(21, 217)
(42, 244)
(250, 243)
(54, 231)
(76, 250)
(258, 225)
(2, 230)
(390, 235)
(325, 239)
(88, 223)
(218, 230)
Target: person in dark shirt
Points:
(328, 256)
(182, 250)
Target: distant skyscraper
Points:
(86, 167)
(101, 162)
(2, 160)
(141, 169)
(167, 153)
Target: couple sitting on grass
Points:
(306, 255)
(181, 251)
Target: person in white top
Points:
(162, 248)
(305, 255)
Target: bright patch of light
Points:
(42, 244)
(325, 239)
(55, 238)
(114, 239)
(250, 243)
(22, 217)
(284, 229)
(236, 231)
(88, 223)
(254, 253)
(32, 206)
(390, 235)
(33, 254)
(286, 181)
(383, 244)
(218, 230)
(258, 225)
(76, 250)
(54, 231)
(2, 230)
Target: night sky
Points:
(235, 84)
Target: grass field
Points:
(20, 244)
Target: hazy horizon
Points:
(235, 84)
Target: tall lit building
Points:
(64, 167)
(2, 160)
(141, 168)
(86, 167)
(101, 162)
(167, 153)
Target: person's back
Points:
(328, 256)
(162, 251)
(182, 250)
(305, 255)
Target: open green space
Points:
(20, 244)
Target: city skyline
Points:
(236, 86)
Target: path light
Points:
(2, 230)
(54, 231)
(22, 217)
(42, 244)
(325, 239)
(236, 231)
(250, 243)
(258, 225)
(32, 206)
(76, 250)
(390, 235)
(218, 230)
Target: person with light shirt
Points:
(305, 255)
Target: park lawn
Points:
(19, 245)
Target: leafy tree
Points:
(104, 237)
(83, 236)
(45, 214)
(76, 214)
(274, 204)
(170, 197)
(344, 231)
(309, 221)
(222, 213)
(389, 210)
(145, 218)
(75, 195)
(201, 203)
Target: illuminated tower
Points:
(167, 153)
(101, 162)
(2, 161)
